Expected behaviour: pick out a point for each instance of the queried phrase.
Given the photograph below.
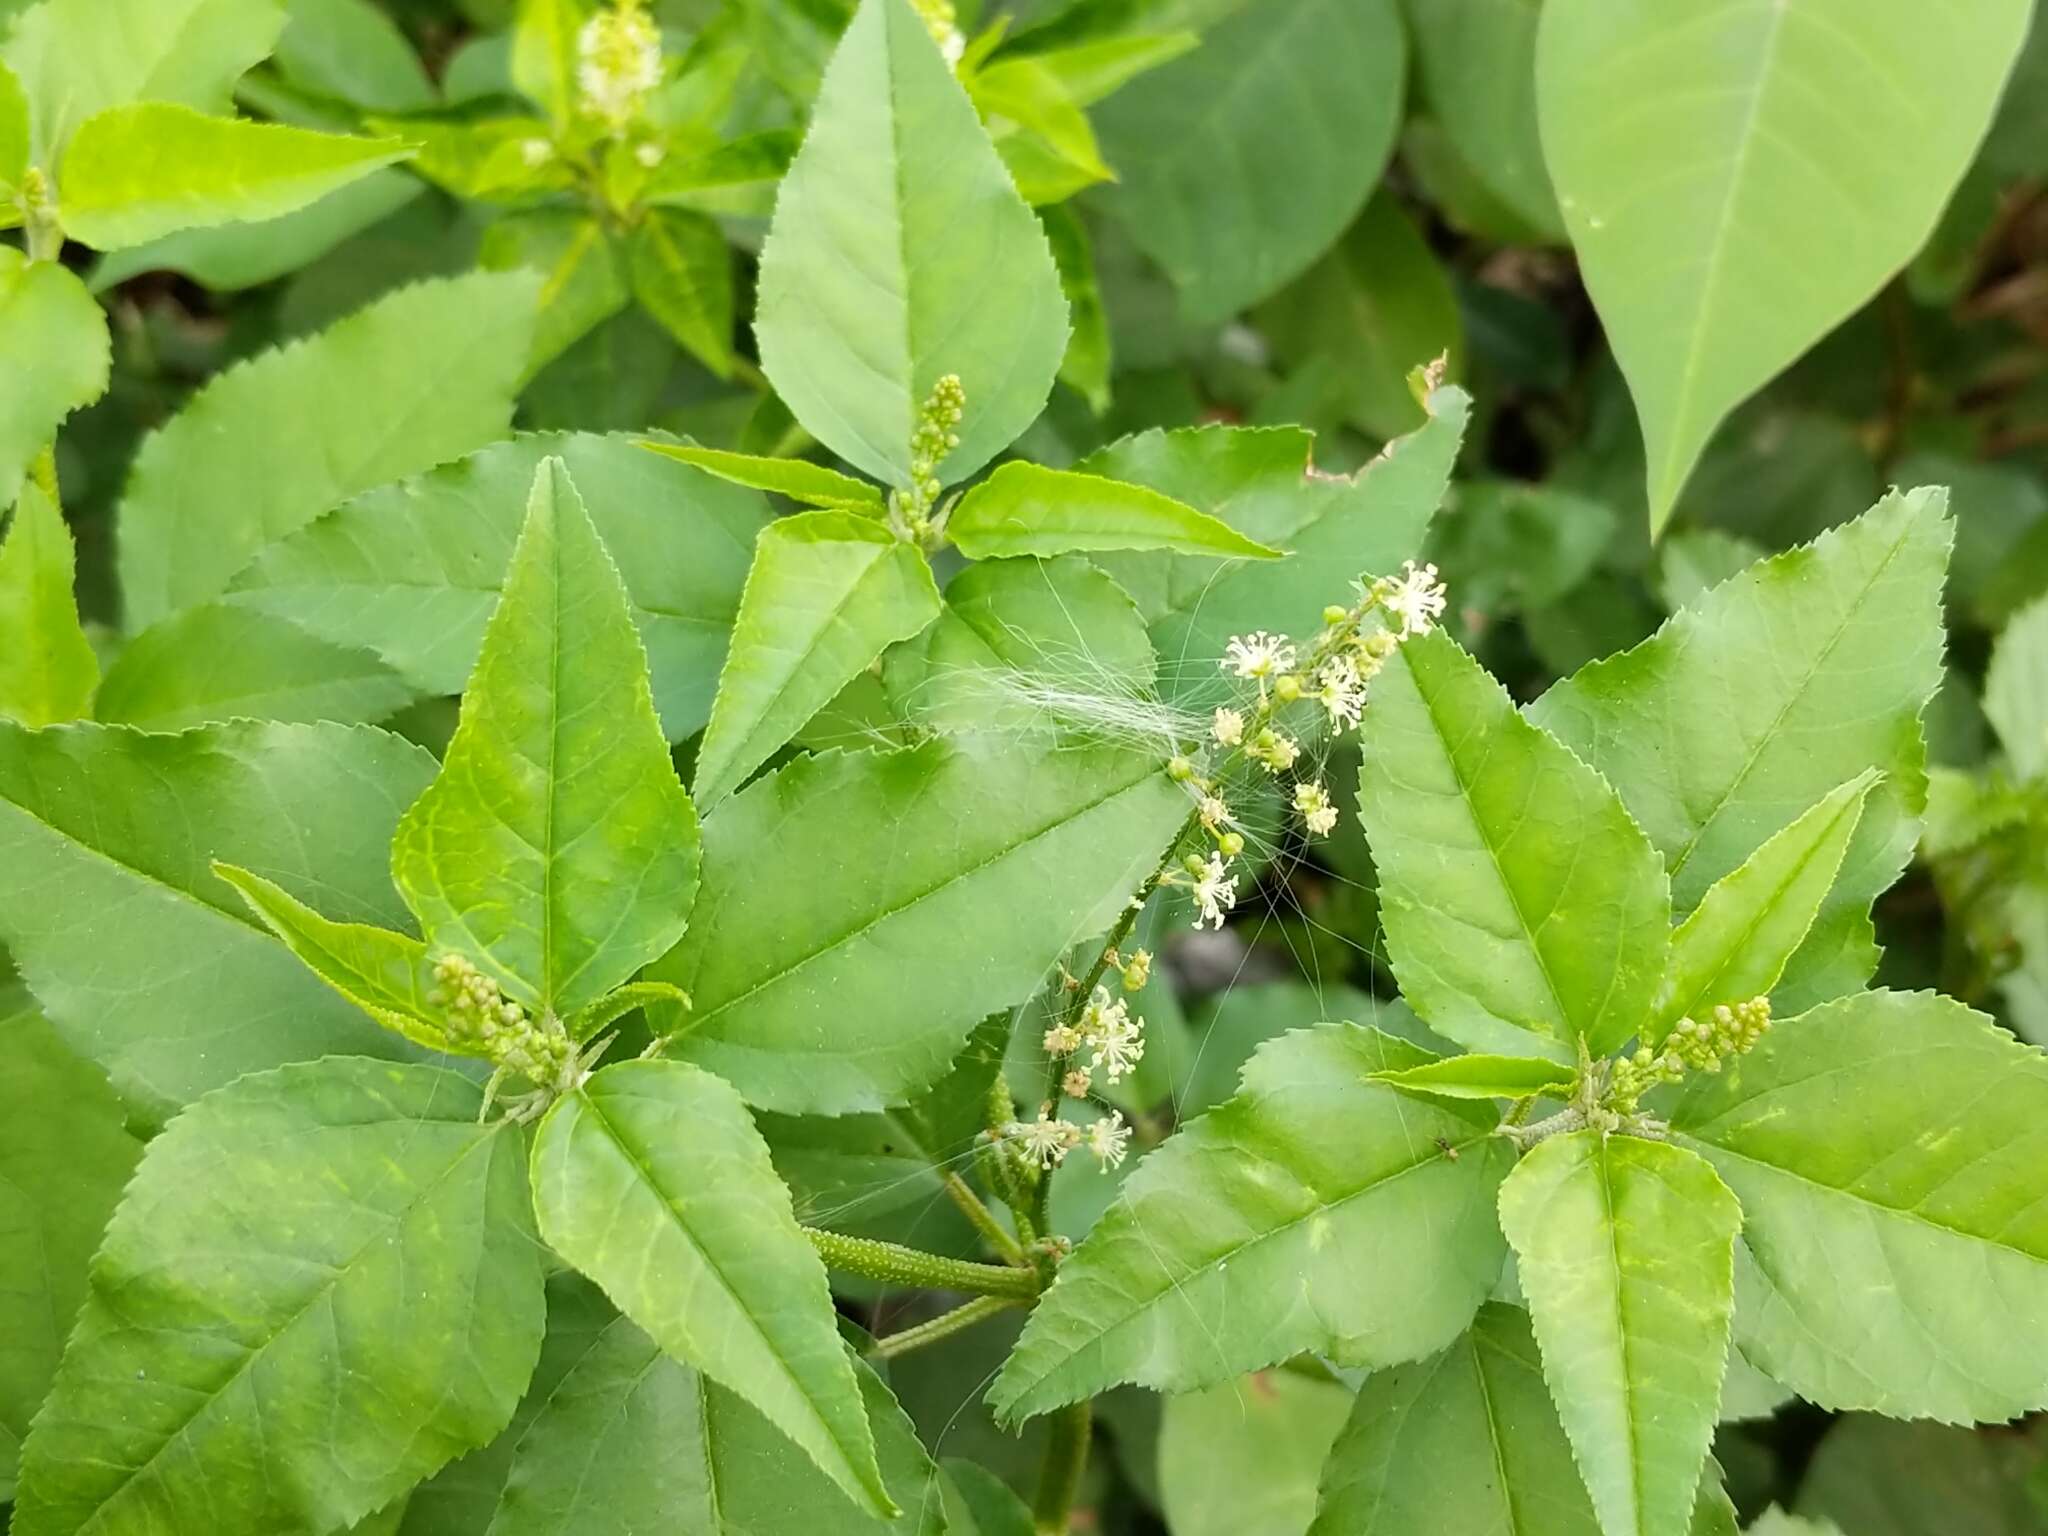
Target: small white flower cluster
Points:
(1107, 1030)
(1047, 1140)
(1334, 674)
(618, 63)
(1694, 1045)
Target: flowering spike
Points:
(618, 63)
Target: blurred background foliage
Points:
(1265, 211)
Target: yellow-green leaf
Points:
(137, 173)
(47, 667)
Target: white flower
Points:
(1317, 813)
(618, 62)
(1109, 1139)
(1415, 597)
(1214, 812)
(1102, 1015)
(1229, 727)
(649, 154)
(1120, 1046)
(1341, 691)
(1258, 655)
(1215, 893)
(1044, 1140)
(1062, 1040)
(1076, 1083)
(536, 152)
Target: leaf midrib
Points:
(1688, 378)
(839, 941)
(644, 1171)
(332, 1281)
(1434, 1155)
(1765, 738)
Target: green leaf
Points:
(385, 974)
(652, 1180)
(556, 848)
(1375, 308)
(634, 1441)
(1769, 692)
(1085, 368)
(1476, 60)
(1040, 131)
(682, 275)
(45, 314)
(1241, 162)
(220, 663)
(827, 593)
(239, 256)
(47, 667)
(495, 160)
(414, 379)
(2016, 691)
(1028, 646)
(65, 1155)
(1739, 180)
(581, 284)
(1371, 1211)
(135, 174)
(1626, 1251)
(1524, 911)
(322, 1285)
(412, 571)
(900, 253)
(820, 878)
(800, 480)
(1258, 480)
(750, 158)
(1483, 1077)
(1241, 1459)
(1886, 1150)
(1027, 509)
(1735, 944)
(96, 820)
(14, 132)
(353, 52)
(1466, 1443)
(78, 57)
(1873, 1477)
(544, 53)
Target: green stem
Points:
(1059, 1476)
(899, 1265)
(975, 1311)
(983, 1219)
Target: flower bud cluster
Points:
(618, 63)
(479, 1013)
(935, 435)
(1694, 1045)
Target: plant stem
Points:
(912, 1266)
(983, 1219)
(975, 1311)
(1059, 1476)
